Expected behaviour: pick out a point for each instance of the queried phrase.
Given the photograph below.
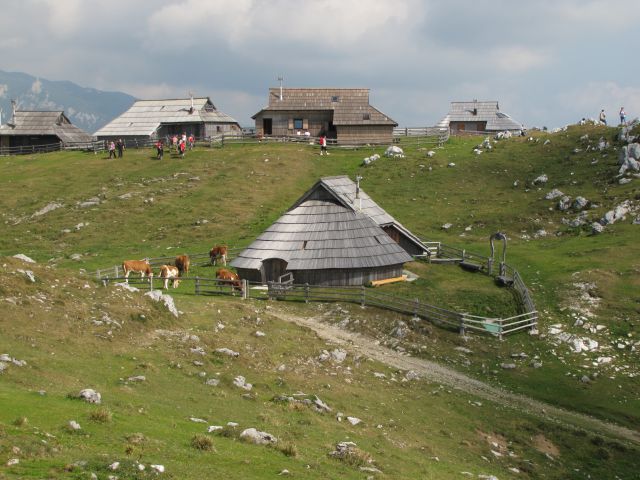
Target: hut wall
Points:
(345, 277)
(32, 140)
(282, 121)
(408, 245)
(250, 275)
(365, 134)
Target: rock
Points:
(446, 226)
(379, 375)
(198, 351)
(3, 367)
(564, 203)
(431, 154)
(553, 194)
(50, 207)
(157, 468)
(477, 151)
(114, 466)
(214, 428)
(76, 257)
(585, 379)
(338, 355)
(212, 382)
(73, 425)
(320, 406)
(228, 352)
(624, 181)
(354, 420)
(260, 334)
(284, 472)
(451, 165)
(401, 330)
(91, 396)
(13, 461)
(92, 202)
(411, 375)
(24, 258)
(240, 382)
(541, 180)
(580, 202)
(324, 356)
(158, 296)
(137, 378)
(259, 438)
(29, 274)
(596, 228)
(508, 366)
(197, 420)
(547, 142)
(394, 151)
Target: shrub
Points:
(101, 415)
(21, 421)
(202, 442)
(288, 449)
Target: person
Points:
(112, 149)
(323, 144)
(603, 117)
(183, 146)
(160, 147)
(120, 147)
(191, 141)
(623, 116)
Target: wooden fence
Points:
(94, 146)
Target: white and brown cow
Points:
(168, 272)
(219, 251)
(141, 266)
(182, 263)
(229, 278)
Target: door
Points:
(267, 126)
(272, 268)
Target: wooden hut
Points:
(343, 114)
(152, 119)
(478, 116)
(332, 235)
(41, 129)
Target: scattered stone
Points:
(259, 438)
(240, 382)
(137, 378)
(260, 334)
(394, 151)
(91, 202)
(212, 382)
(431, 154)
(564, 203)
(198, 351)
(13, 461)
(50, 207)
(284, 472)
(596, 228)
(114, 466)
(158, 296)
(547, 142)
(353, 420)
(624, 181)
(553, 194)
(29, 274)
(320, 406)
(157, 468)
(197, 420)
(76, 257)
(73, 425)
(508, 366)
(411, 375)
(338, 355)
(446, 226)
(91, 396)
(401, 330)
(214, 428)
(541, 180)
(379, 375)
(580, 202)
(451, 164)
(585, 379)
(228, 352)
(24, 258)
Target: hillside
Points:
(75, 212)
(87, 108)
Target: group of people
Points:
(623, 117)
(115, 147)
(179, 143)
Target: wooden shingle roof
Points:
(350, 106)
(145, 116)
(480, 111)
(34, 123)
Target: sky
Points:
(547, 62)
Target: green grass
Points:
(50, 323)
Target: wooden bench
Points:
(377, 283)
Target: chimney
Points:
(13, 112)
(280, 79)
(358, 178)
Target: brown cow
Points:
(141, 266)
(219, 251)
(168, 272)
(227, 277)
(183, 262)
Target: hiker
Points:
(192, 140)
(603, 117)
(323, 144)
(112, 149)
(623, 116)
(160, 148)
(120, 147)
(182, 147)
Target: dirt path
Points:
(437, 373)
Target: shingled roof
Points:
(145, 116)
(350, 106)
(35, 123)
(480, 111)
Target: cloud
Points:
(518, 59)
(587, 100)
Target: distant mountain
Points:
(87, 108)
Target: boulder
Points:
(596, 228)
(564, 203)
(259, 438)
(228, 352)
(339, 355)
(553, 194)
(90, 395)
(541, 179)
(24, 258)
(580, 202)
(394, 151)
(241, 382)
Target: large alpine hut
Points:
(333, 235)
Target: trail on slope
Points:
(438, 373)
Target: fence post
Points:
(462, 325)
(115, 269)
(245, 289)
(416, 307)
(197, 285)
(362, 297)
(306, 293)
(151, 283)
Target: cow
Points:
(168, 272)
(141, 266)
(227, 277)
(219, 251)
(182, 263)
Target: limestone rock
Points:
(241, 382)
(90, 395)
(553, 194)
(228, 352)
(259, 438)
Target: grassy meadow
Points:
(74, 333)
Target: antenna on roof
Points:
(358, 178)
(1, 111)
(13, 112)
(192, 109)
(280, 79)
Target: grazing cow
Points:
(168, 272)
(227, 277)
(219, 251)
(141, 266)
(183, 262)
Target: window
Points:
(366, 116)
(335, 98)
(297, 124)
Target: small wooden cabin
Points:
(153, 119)
(330, 236)
(343, 114)
(478, 116)
(29, 128)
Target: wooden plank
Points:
(377, 283)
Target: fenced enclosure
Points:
(286, 290)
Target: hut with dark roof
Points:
(39, 129)
(333, 235)
(343, 114)
(478, 116)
